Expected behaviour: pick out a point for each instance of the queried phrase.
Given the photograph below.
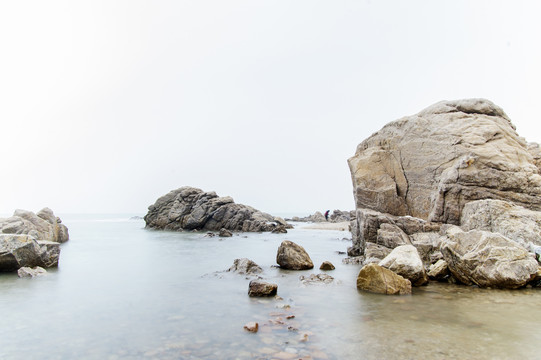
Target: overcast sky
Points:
(107, 105)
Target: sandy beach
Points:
(341, 226)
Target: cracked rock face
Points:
(431, 164)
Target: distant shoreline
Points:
(340, 226)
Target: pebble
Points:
(251, 326)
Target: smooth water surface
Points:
(123, 292)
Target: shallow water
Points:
(123, 292)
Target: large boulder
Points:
(377, 279)
(487, 259)
(431, 164)
(18, 251)
(405, 261)
(43, 225)
(292, 256)
(190, 208)
(515, 222)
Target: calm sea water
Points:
(123, 292)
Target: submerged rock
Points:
(225, 233)
(326, 265)
(251, 326)
(487, 259)
(190, 208)
(258, 288)
(315, 279)
(31, 272)
(377, 279)
(245, 266)
(293, 257)
(406, 262)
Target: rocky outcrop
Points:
(377, 279)
(487, 259)
(515, 222)
(258, 288)
(190, 208)
(439, 271)
(43, 225)
(292, 256)
(405, 261)
(431, 164)
(18, 251)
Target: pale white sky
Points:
(106, 105)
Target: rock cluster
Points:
(456, 163)
(336, 216)
(190, 208)
(30, 240)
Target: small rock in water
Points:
(280, 229)
(31, 272)
(316, 279)
(251, 326)
(326, 265)
(225, 233)
(262, 288)
(210, 234)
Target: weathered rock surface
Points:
(326, 265)
(245, 266)
(439, 271)
(515, 222)
(431, 164)
(316, 279)
(377, 279)
(190, 208)
(292, 256)
(428, 246)
(18, 251)
(369, 223)
(374, 253)
(258, 288)
(405, 261)
(280, 229)
(42, 226)
(391, 236)
(487, 259)
(31, 272)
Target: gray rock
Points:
(514, 222)
(431, 164)
(428, 246)
(368, 222)
(31, 272)
(316, 279)
(190, 208)
(293, 257)
(18, 251)
(391, 236)
(225, 233)
(405, 261)
(280, 229)
(42, 226)
(258, 288)
(374, 253)
(487, 259)
(245, 266)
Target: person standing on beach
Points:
(327, 215)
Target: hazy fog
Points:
(106, 105)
